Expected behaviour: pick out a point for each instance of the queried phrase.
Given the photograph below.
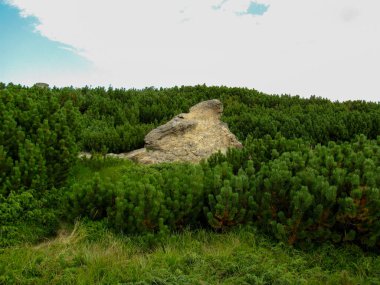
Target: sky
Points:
(324, 48)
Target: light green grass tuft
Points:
(112, 168)
(90, 254)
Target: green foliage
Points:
(145, 199)
(326, 193)
(90, 254)
(37, 139)
(92, 198)
(37, 149)
(230, 199)
(308, 170)
(294, 191)
(25, 218)
(119, 119)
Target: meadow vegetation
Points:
(299, 204)
(88, 253)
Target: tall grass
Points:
(89, 254)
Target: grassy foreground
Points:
(90, 254)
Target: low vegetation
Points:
(91, 254)
(299, 203)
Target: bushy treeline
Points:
(118, 119)
(299, 175)
(37, 139)
(37, 149)
(288, 188)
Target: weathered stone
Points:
(41, 85)
(188, 137)
(176, 126)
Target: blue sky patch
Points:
(256, 9)
(23, 50)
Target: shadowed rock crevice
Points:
(188, 137)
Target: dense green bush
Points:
(145, 200)
(230, 197)
(301, 175)
(297, 192)
(327, 193)
(26, 218)
(37, 149)
(118, 119)
(37, 139)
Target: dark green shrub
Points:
(292, 190)
(24, 218)
(37, 148)
(37, 139)
(230, 199)
(147, 199)
(329, 193)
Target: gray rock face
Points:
(41, 85)
(175, 126)
(188, 137)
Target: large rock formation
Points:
(41, 85)
(188, 137)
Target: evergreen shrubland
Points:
(38, 136)
(299, 193)
(308, 172)
(120, 118)
(37, 139)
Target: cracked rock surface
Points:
(188, 137)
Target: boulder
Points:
(41, 85)
(188, 137)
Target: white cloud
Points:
(324, 48)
